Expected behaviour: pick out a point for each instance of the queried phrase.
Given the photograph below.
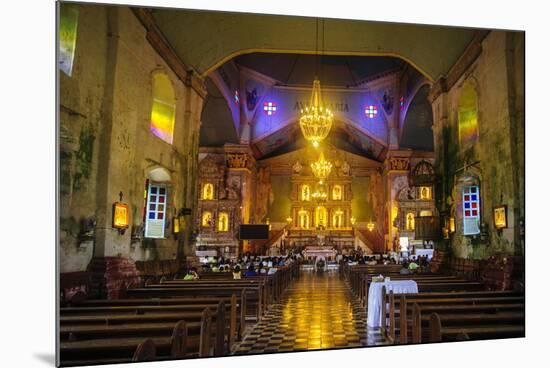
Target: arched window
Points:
(223, 221)
(208, 191)
(337, 193)
(467, 114)
(206, 219)
(68, 24)
(163, 113)
(305, 192)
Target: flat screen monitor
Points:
(254, 232)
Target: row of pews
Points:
(446, 307)
(169, 319)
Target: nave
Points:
(318, 311)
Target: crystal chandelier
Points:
(321, 168)
(316, 119)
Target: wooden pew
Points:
(463, 307)
(113, 346)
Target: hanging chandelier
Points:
(316, 119)
(321, 168)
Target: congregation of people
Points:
(246, 266)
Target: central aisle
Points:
(317, 311)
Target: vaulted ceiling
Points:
(206, 39)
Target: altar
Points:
(314, 252)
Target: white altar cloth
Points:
(375, 297)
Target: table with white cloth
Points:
(424, 252)
(375, 297)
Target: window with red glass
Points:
(471, 210)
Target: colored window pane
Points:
(161, 199)
(162, 190)
(68, 24)
(474, 213)
(466, 197)
(466, 205)
(153, 190)
(467, 114)
(151, 215)
(152, 207)
(468, 213)
(474, 205)
(371, 111)
(474, 197)
(160, 216)
(473, 189)
(163, 112)
(270, 108)
(153, 198)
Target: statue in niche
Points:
(297, 168)
(233, 188)
(410, 221)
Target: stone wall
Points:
(106, 146)
(496, 158)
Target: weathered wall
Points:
(361, 204)
(497, 157)
(280, 208)
(106, 143)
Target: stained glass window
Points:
(401, 103)
(371, 111)
(163, 113)
(270, 108)
(68, 24)
(156, 209)
(467, 114)
(471, 213)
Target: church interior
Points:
(235, 184)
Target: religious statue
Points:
(345, 170)
(297, 167)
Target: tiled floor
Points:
(316, 312)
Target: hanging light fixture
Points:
(316, 119)
(321, 168)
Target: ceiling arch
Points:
(204, 40)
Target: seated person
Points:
(237, 273)
(214, 267)
(250, 272)
(271, 270)
(413, 266)
(191, 275)
(261, 269)
(404, 269)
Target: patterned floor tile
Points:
(315, 312)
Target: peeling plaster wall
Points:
(498, 75)
(108, 147)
